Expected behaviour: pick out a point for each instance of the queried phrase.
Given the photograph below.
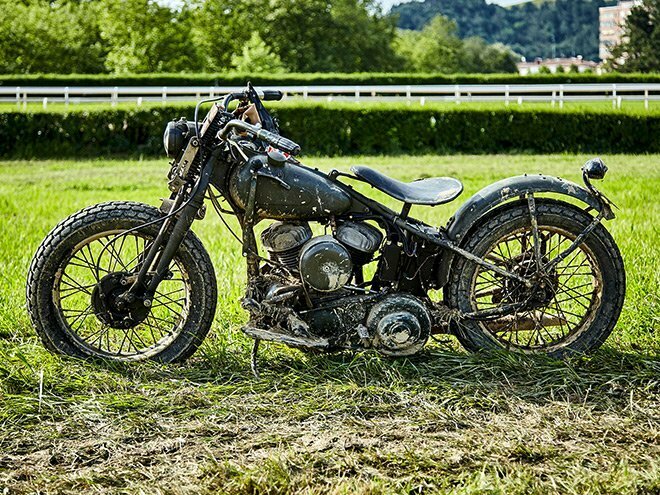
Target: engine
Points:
(284, 241)
(324, 263)
(396, 324)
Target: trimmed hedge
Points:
(344, 130)
(237, 79)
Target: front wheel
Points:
(82, 266)
(572, 312)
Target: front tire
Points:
(78, 257)
(585, 293)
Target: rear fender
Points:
(475, 208)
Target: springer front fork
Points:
(184, 209)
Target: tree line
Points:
(139, 36)
(558, 28)
(546, 29)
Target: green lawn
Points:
(345, 423)
(635, 107)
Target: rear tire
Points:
(590, 316)
(51, 288)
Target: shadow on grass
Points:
(606, 378)
(441, 372)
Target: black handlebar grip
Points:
(279, 142)
(272, 95)
(286, 145)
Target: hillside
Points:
(562, 28)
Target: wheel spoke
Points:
(573, 286)
(84, 271)
(74, 284)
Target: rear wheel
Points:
(575, 307)
(85, 263)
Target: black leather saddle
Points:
(431, 192)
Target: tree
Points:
(307, 35)
(220, 29)
(435, 48)
(640, 48)
(364, 37)
(43, 36)
(257, 57)
(144, 36)
(477, 56)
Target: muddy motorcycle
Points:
(525, 264)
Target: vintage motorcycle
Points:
(516, 269)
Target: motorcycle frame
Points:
(188, 202)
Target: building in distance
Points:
(553, 65)
(612, 25)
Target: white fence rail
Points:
(556, 94)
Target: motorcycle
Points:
(517, 270)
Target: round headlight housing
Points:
(176, 136)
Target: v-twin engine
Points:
(324, 263)
(313, 296)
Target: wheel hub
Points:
(539, 294)
(111, 308)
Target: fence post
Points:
(561, 96)
(554, 97)
(66, 96)
(457, 94)
(139, 101)
(646, 99)
(422, 101)
(614, 95)
(18, 96)
(408, 94)
(25, 101)
(164, 100)
(304, 92)
(357, 94)
(115, 96)
(45, 102)
(506, 95)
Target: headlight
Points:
(176, 136)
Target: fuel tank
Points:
(286, 191)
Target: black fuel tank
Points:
(287, 191)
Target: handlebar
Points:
(271, 138)
(266, 95)
(270, 94)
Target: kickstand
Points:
(253, 361)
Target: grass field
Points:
(627, 106)
(444, 421)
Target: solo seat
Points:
(435, 191)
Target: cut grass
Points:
(627, 106)
(346, 423)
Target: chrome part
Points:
(284, 240)
(400, 325)
(325, 264)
